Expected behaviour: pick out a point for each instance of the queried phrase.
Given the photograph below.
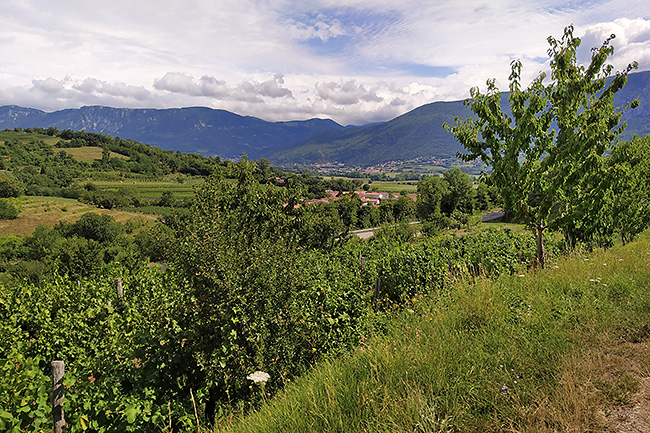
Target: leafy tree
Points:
(483, 201)
(348, 208)
(555, 138)
(321, 226)
(629, 174)
(100, 228)
(156, 242)
(368, 216)
(431, 191)
(404, 209)
(387, 211)
(43, 243)
(10, 187)
(79, 257)
(167, 199)
(461, 193)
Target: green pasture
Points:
(394, 187)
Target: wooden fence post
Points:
(58, 369)
(120, 294)
(118, 288)
(377, 289)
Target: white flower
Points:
(259, 376)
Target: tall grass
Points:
(555, 350)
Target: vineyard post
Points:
(118, 287)
(120, 293)
(58, 369)
(377, 288)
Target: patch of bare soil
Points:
(633, 418)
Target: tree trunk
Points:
(538, 228)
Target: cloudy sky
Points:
(354, 61)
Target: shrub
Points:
(10, 187)
(7, 210)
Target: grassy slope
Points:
(50, 210)
(556, 350)
(90, 153)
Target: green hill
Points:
(418, 133)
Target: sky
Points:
(353, 61)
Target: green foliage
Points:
(10, 187)
(260, 303)
(84, 248)
(245, 295)
(321, 226)
(484, 356)
(461, 193)
(41, 168)
(561, 129)
(404, 209)
(629, 200)
(24, 402)
(7, 210)
(126, 366)
(431, 191)
(445, 202)
(97, 227)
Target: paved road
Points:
(368, 233)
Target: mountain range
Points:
(418, 133)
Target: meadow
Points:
(35, 211)
(90, 153)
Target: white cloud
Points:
(210, 87)
(632, 41)
(179, 82)
(346, 93)
(321, 27)
(273, 88)
(120, 90)
(48, 86)
(356, 61)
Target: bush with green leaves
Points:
(7, 210)
(262, 301)
(10, 186)
(24, 402)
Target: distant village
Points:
(368, 198)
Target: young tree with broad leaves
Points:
(545, 153)
(629, 195)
